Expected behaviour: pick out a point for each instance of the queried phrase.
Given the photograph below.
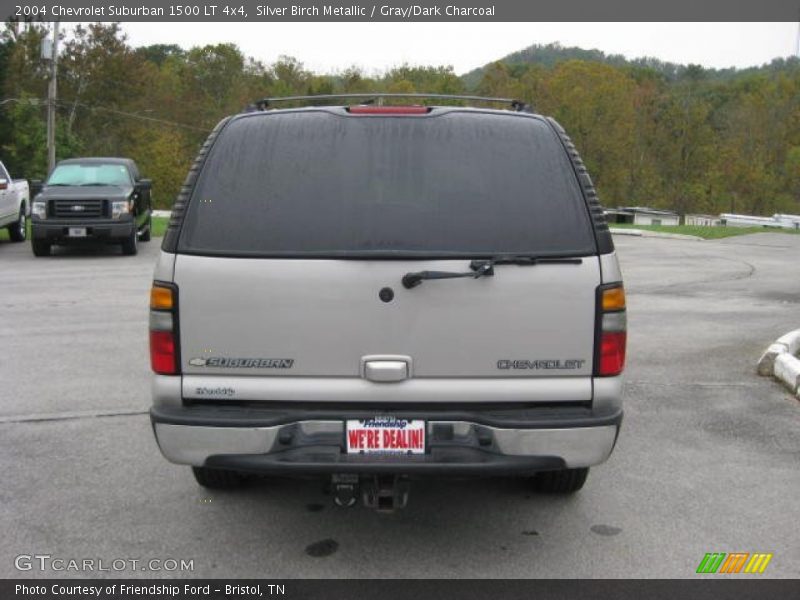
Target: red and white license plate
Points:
(385, 435)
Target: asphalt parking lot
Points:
(708, 459)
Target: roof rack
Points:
(378, 98)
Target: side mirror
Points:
(144, 184)
(35, 187)
(3, 184)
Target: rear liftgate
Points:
(382, 435)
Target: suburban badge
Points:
(243, 363)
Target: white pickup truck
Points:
(14, 205)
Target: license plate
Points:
(77, 232)
(385, 435)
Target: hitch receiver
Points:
(385, 493)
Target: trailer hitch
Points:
(385, 493)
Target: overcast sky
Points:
(375, 47)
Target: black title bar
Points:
(706, 588)
(400, 10)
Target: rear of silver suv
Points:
(373, 293)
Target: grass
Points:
(4, 233)
(159, 226)
(707, 233)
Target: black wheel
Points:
(130, 245)
(145, 236)
(217, 479)
(18, 230)
(565, 481)
(40, 248)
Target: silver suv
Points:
(375, 293)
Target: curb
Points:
(779, 360)
(654, 234)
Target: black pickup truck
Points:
(92, 199)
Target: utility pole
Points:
(51, 103)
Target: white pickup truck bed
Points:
(15, 205)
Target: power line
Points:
(65, 104)
(134, 115)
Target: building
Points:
(641, 215)
(702, 220)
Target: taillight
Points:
(389, 110)
(612, 329)
(164, 351)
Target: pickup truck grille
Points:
(78, 209)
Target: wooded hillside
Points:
(652, 133)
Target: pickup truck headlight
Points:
(119, 208)
(39, 210)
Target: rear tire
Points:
(40, 248)
(217, 479)
(18, 230)
(130, 246)
(145, 237)
(565, 481)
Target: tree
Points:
(164, 156)
(158, 54)
(25, 149)
(594, 102)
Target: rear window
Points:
(315, 183)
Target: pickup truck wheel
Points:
(565, 481)
(18, 230)
(131, 244)
(217, 479)
(40, 248)
(145, 237)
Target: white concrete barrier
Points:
(766, 364)
(787, 370)
(791, 340)
(780, 361)
(653, 234)
(619, 231)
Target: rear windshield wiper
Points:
(484, 268)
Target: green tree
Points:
(25, 149)
(594, 102)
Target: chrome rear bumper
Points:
(318, 446)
